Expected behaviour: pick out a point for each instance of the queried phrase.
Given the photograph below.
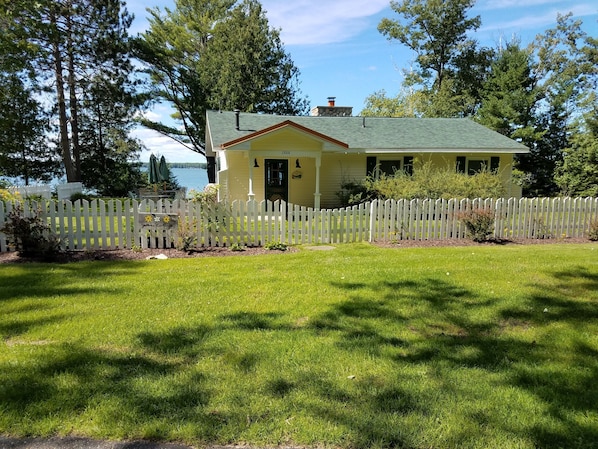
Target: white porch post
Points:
(251, 195)
(317, 194)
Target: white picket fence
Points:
(115, 224)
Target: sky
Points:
(340, 53)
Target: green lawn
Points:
(359, 347)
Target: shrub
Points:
(353, 192)
(236, 247)
(479, 223)
(593, 231)
(31, 235)
(276, 246)
(427, 181)
(80, 196)
(186, 235)
(7, 195)
(207, 197)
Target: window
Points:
(476, 165)
(408, 165)
(473, 166)
(371, 166)
(389, 168)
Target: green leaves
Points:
(217, 54)
(434, 29)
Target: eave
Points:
(278, 127)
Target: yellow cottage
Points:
(304, 160)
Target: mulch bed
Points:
(127, 254)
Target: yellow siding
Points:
(287, 139)
(301, 190)
(238, 176)
(335, 170)
(338, 169)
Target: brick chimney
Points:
(332, 110)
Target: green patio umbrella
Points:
(163, 171)
(154, 172)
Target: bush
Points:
(593, 231)
(7, 195)
(80, 196)
(427, 182)
(479, 223)
(186, 235)
(31, 235)
(276, 246)
(207, 197)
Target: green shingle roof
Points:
(415, 134)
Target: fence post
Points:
(373, 214)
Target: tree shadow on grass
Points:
(568, 312)
(427, 331)
(126, 395)
(44, 286)
(446, 336)
(253, 321)
(39, 281)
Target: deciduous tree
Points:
(435, 30)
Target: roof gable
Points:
(276, 128)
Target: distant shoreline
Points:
(201, 165)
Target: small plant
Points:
(186, 235)
(236, 247)
(593, 231)
(31, 235)
(80, 196)
(136, 249)
(36, 197)
(276, 246)
(479, 223)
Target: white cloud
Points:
(501, 4)
(307, 22)
(302, 22)
(157, 143)
(161, 145)
(540, 19)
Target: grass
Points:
(359, 347)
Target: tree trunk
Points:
(73, 101)
(62, 116)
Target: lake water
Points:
(192, 178)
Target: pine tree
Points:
(216, 54)
(24, 149)
(67, 44)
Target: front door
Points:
(277, 179)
